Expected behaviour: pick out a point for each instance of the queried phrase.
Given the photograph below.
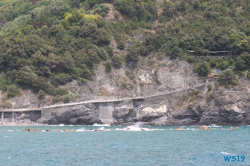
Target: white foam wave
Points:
(135, 127)
(101, 129)
(190, 129)
(225, 153)
(100, 124)
(214, 125)
(81, 130)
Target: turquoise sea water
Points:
(119, 147)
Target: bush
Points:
(227, 79)
(2, 84)
(195, 93)
(143, 51)
(72, 96)
(209, 87)
(223, 65)
(41, 94)
(82, 81)
(13, 91)
(191, 59)
(49, 89)
(60, 91)
(120, 45)
(132, 54)
(203, 69)
(6, 104)
(61, 79)
(242, 62)
(109, 50)
(117, 61)
(108, 67)
(65, 98)
(55, 100)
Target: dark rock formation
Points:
(222, 109)
(77, 115)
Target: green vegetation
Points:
(47, 43)
(41, 94)
(117, 61)
(203, 69)
(227, 79)
(2, 84)
(209, 87)
(6, 104)
(13, 91)
(108, 67)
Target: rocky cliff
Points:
(185, 108)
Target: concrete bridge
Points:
(10, 113)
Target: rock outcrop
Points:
(223, 109)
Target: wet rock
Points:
(204, 128)
(181, 128)
(38, 130)
(234, 128)
(73, 130)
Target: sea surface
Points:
(123, 146)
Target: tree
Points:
(132, 54)
(117, 61)
(108, 67)
(227, 79)
(2, 84)
(203, 69)
(74, 3)
(13, 91)
(242, 62)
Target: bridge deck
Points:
(21, 110)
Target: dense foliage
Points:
(47, 43)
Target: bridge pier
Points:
(2, 116)
(13, 116)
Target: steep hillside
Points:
(65, 50)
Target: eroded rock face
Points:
(161, 110)
(77, 115)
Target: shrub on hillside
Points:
(227, 79)
(41, 94)
(13, 91)
(108, 67)
(202, 69)
(117, 61)
(6, 104)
